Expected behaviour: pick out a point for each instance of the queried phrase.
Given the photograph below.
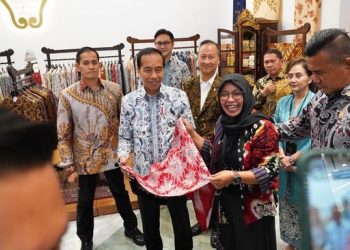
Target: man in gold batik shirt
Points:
(270, 88)
(87, 127)
(203, 97)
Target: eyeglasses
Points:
(165, 43)
(235, 95)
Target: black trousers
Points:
(150, 210)
(85, 216)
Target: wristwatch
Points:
(236, 178)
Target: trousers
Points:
(85, 216)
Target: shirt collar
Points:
(84, 86)
(210, 81)
(346, 90)
(281, 75)
(162, 91)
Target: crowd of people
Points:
(250, 139)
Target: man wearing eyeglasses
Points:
(175, 70)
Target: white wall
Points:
(73, 24)
(344, 22)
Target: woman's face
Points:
(298, 79)
(231, 100)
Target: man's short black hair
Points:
(147, 51)
(83, 50)
(336, 42)
(162, 32)
(24, 144)
(274, 51)
(204, 42)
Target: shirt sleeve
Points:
(260, 99)
(65, 131)
(206, 152)
(186, 75)
(125, 145)
(186, 110)
(264, 150)
(296, 128)
(304, 145)
(277, 117)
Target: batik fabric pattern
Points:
(205, 117)
(182, 171)
(178, 72)
(288, 196)
(268, 9)
(326, 120)
(149, 136)
(308, 11)
(257, 150)
(87, 127)
(289, 51)
(268, 104)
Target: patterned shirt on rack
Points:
(147, 124)
(87, 127)
(326, 119)
(175, 73)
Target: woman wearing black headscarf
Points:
(242, 159)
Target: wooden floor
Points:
(104, 206)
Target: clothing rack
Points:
(117, 47)
(193, 39)
(16, 75)
(7, 53)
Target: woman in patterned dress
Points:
(288, 107)
(244, 167)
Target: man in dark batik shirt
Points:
(327, 117)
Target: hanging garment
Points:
(268, 9)
(181, 172)
(308, 12)
(203, 202)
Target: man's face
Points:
(165, 45)
(32, 213)
(272, 64)
(329, 76)
(151, 72)
(208, 59)
(88, 66)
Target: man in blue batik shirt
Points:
(176, 71)
(147, 123)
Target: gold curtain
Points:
(268, 9)
(308, 11)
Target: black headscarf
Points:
(233, 127)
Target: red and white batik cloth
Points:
(181, 172)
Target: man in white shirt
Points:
(202, 94)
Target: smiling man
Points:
(202, 94)
(175, 70)
(327, 117)
(147, 123)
